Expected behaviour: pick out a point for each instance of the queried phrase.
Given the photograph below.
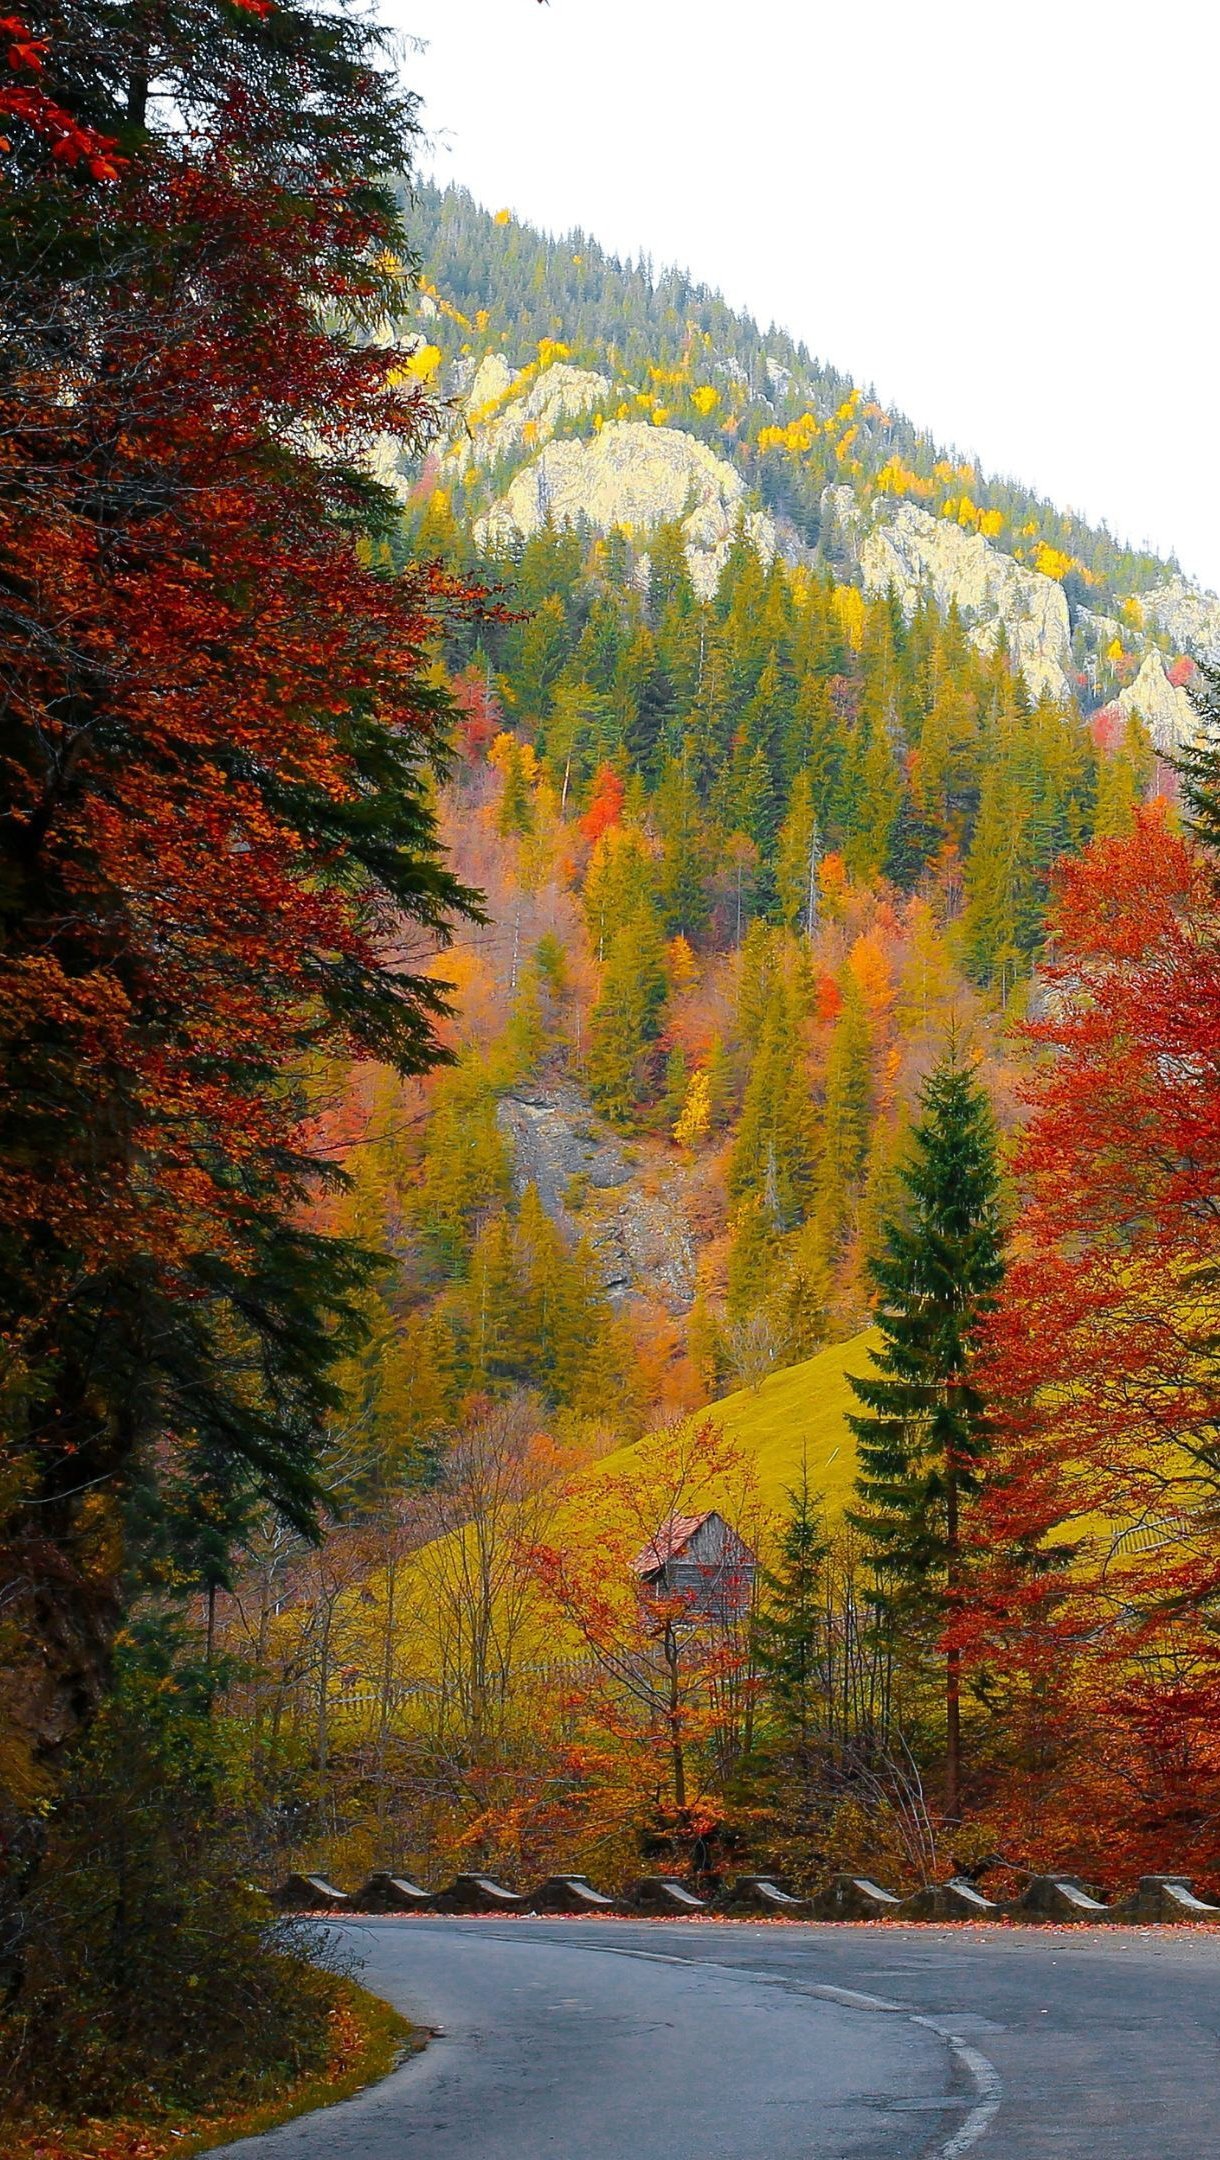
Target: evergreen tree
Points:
(776, 1148)
(799, 852)
(790, 1642)
(626, 1017)
(684, 867)
(923, 1430)
(720, 1089)
(496, 1343)
(1003, 914)
(752, 1256)
(516, 811)
(802, 1296)
(870, 798)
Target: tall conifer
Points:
(923, 1431)
(790, 1644)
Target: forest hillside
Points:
(765, 756)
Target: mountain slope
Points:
(585, 392)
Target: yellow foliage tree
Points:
(681, 966)
(1051, 561)
(695, 1119)
(871, 970)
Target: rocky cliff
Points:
(635, 476)
(635, 1225)
(539, 443)
(899, 545)
(1163, 706)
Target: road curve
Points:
(672, 2040)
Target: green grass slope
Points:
(796, 1415)
(801, 1414)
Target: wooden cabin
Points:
(700, 1560)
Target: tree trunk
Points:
(953, 1665)
(677, 1755)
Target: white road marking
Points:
(986, 2083)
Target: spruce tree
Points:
(799, 852)
(626, 1017)
(790, 1644)
(776, 1147)
(923, 1431)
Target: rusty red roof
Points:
(670, 1540)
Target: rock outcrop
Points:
(635, 476)
(638, 1234)
(1165, 709)
(900, 545)
(1186, 615)
(521, 425)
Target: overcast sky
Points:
(1002, 216)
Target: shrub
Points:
(143, 1972)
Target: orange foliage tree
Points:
(661, 1682)
(1093, 1631)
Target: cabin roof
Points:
(672, 1538)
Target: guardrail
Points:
(1046, 1900)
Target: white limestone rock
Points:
(385, 461)
(635, 476)
(900, 545)
(1166, 710)
(493, 379)
(517, 428)
(779, 377)
(1186, 615)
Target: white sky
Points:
(1002, 213)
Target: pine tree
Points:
(796, 867)
(516, 811)
(1122, 783)
(923, 1431)
(870, 800)
(720, 1090)
(776, 1147)
(790, 1644)
(677, 1077)
(496, 1342)
(1003, 913)
(684, 867)
(752, 1253)
(802, 1297)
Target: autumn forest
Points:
(597, 936)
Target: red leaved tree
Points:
(1095, 1627)
(218, 862)
(660, 1683)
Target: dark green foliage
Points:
(790, 1642)
(626, 1018)
(924, 1433)
(923, 1430)
(1199, 765)
(148, 1975)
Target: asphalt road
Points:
(672, 2040)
